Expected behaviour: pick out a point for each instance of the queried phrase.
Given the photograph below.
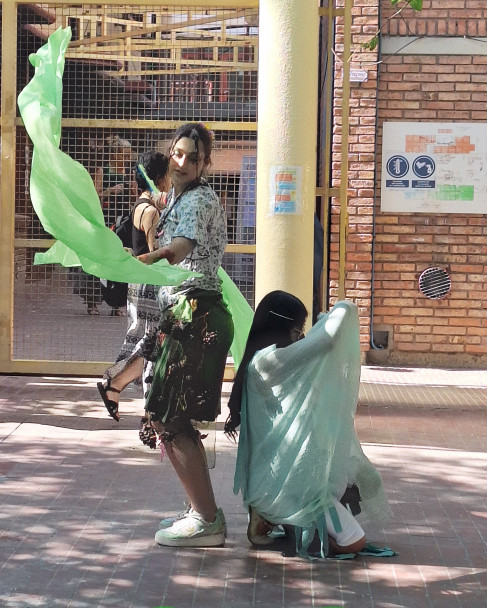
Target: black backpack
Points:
(123, 229)
(124, 225)
(114, 293)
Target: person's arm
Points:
(175, 252)
(116, 189)
(317, 342)
(196, 213)
(148, 223)
(98, 181)
(103, 194)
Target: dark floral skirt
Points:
(188, 372)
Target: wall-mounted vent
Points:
(435, 283)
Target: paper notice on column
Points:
(286, 190)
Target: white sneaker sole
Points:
(212, 540)
(166, 525)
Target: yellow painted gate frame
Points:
(9, 124)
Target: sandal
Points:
(259, 529)
(112, 406)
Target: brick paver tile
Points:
(81, 499)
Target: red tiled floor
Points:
(81, 499)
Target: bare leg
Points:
(125, 377)
(187, 456)
(352, 548)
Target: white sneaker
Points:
(193, 531)
(167, 522)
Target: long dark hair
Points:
(277, 314)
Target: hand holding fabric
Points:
(163, 253)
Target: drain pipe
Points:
(373, 345)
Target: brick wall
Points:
(421, 88)
(438, 18)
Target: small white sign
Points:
(359, 75)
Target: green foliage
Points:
(416, 5)
(371, 44)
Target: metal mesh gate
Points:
(133, 73)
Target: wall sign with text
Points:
(434, 167)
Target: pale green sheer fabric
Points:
(62, 192)
(298, 446)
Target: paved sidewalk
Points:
(81, 499)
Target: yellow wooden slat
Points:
(33, 243)
(237, 4)
(7, 171)
(215, 18)
(47, 243)
(188, 63)
(230, 69)
(327, 191)
(331, 11)
(239, 248)
(146, 44)
(72, 368)
(168, 125)
(344, 148)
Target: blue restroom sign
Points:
(423, 167)
(397, 166)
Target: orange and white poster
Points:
(285, 190)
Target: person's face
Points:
(296, 334)
(122, 158)
(186, 163)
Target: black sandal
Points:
(112, 406)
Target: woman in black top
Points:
(142, 307)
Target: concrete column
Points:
(286, 146)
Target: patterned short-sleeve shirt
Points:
(198, 216)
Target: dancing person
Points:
(294, 398)
(142, 307)
(196, 332)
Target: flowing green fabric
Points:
(242, 315)
(65, 199)
(62, 191)
(297, 445)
